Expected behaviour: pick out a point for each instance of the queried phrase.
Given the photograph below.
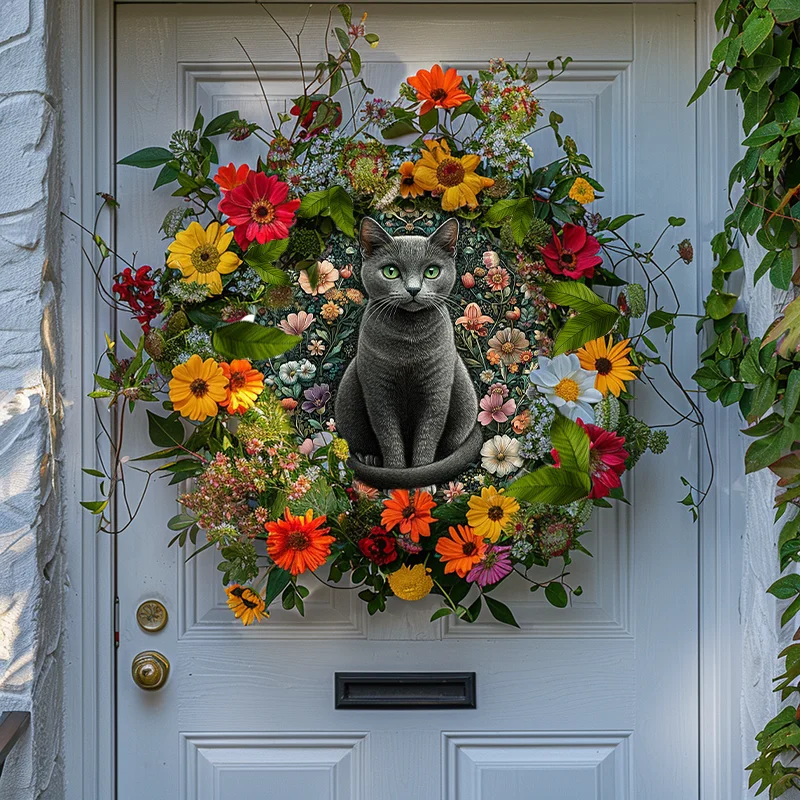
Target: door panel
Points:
(595, 701)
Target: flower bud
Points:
(468, 280)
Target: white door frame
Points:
(87, 29)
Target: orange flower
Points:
(412, 515)
(438, 89)
(461, 551)
(408, 183)
(230, 177)
(297, 544)
(245, 384)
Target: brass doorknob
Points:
(150, 670)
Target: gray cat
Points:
(406, 404)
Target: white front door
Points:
(595, 702)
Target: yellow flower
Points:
(611, 362)
(582, 191)
(490, 513)
(202, 256)
(411, 583)
(340, 448)
(196, 388)
(246, 604)
(408, 181)
(452, 177)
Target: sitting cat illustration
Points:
(406, 404)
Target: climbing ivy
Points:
(759, 58)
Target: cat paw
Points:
(368, 459)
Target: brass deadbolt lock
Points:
(150, 670)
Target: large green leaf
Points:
(252, 341)
(261, 255)
(277, 581)
(555, 485)
(340, 207)
(165, 431)
(147, 158)
(785, 10)
(574, 295)
(572, 444)
(313, 204)
(500, 211)
(586, 327)
(521, 219)
(785, 330)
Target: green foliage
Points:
(252, 341)
(759, 58)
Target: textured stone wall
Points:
(32, 576)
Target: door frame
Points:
(88, 69)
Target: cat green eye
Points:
(391, 272)
(432, 272)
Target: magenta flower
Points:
(317, 397)
(493, 567)
(495, 409)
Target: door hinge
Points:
(116, 622)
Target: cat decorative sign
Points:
(396, 351)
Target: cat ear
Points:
(446, 236)
(372, 236)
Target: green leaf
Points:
(521, 219)
(95, 473)
(557, 486)
(147, 158)
(792, 394)
(757, 27)
(618, 222)
(95, 506)
(313, 204)
(573, 294)
(556, 595)
(340, 207)
(720, 304)
(660, 318)
(768, 450)
(221, 124)
(785, 587)
(252, 341)
(572, 444)
(277, 581)
(400, 128)
(731, 261)
(165, 431)
(500, 611)
(428, 121)
(499, 211)
(441, 612)
(780, 273)
(344, 39)
(763, 135)
(785, 10)
(372, 39)
(705, 82)
(346, 12)
(586, 327)
(167, 175)
(262, 255)
(274, 276)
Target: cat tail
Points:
(446, 469)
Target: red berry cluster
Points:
(137, 291)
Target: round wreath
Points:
(251, 321)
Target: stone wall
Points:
(32, 575)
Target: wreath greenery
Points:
(249, 322)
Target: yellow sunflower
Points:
(582, 191)
(452, 177)
(202, 255)
(490, 513)
(611, 362)
(411, 583)
(197, 387)
(246, 604)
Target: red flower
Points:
(230, 177)
(307, 120)
(137, 292)
(574, 255)
(606, 459)
(379, 546)
(259, 210)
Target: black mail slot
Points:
(405, 690)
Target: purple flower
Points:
(317, 397)
(494, 566)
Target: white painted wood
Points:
(642, 682)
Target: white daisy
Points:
(500, 455)
(568, 386)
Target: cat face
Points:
(408, 272)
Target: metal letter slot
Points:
(405, 690)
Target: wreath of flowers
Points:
(249, 323)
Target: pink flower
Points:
(474, 319)
(454, 489)
(347, 271)
(607, 456)
(491, 259)
(327, 275)
(498, 278)
(468, 280)
(495, 410)
(295, 324)
(258, 209)
(331, 425)
(493, 567)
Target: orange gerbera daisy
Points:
(461, 551)
(438, 89)
(297, 544)
(408, 182)
(230, 177)
(611, 363)
(245, 384)
(412, 515)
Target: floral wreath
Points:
(248, 324)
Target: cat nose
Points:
(413, 290)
